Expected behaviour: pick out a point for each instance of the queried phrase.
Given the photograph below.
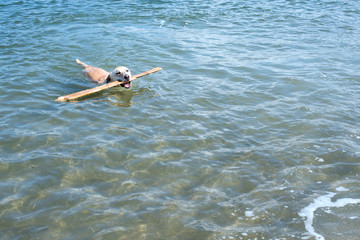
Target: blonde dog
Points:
(99, 75)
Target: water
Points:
(250, 131)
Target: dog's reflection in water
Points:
(122, 98)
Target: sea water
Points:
(250, 131)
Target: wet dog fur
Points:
(99, 75)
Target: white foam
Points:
(249, 213)
(321, 202)
(341, 189)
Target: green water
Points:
(250, 131)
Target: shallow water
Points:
(250, 131)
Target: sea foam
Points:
(322, 202)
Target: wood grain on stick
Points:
(86, 92)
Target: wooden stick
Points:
(86, 92)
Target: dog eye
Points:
(118, 73)
(127, 70)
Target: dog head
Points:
(121, 74)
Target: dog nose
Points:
(127, 77)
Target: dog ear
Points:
(108, 79)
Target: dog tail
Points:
(81, 63)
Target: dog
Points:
(99, 75)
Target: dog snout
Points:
(127, 77)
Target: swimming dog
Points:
(99, 75)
